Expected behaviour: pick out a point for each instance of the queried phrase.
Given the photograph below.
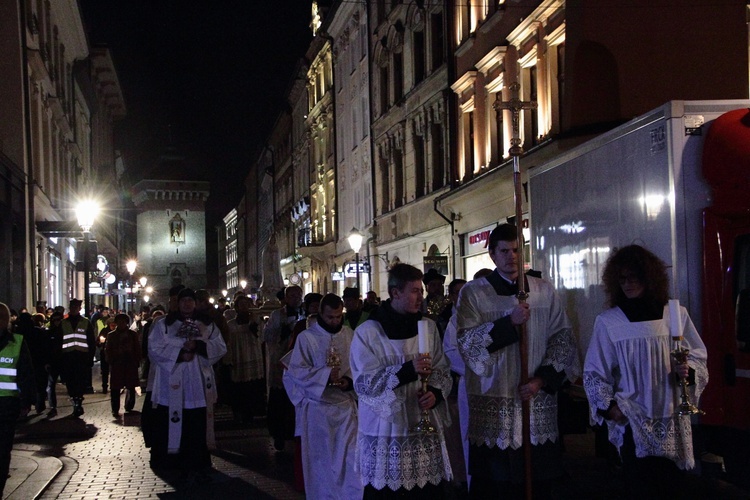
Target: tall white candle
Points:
(674, 318)
(422, 332)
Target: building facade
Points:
(351, 66)
(425, 93)
(171, 224)
(585, 72)
(411, 129)
(60, 101)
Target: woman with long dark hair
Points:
(632, 382)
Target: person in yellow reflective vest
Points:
(77, 356)
(17, 391)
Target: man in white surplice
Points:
(394, 459)
(488, 316)
(319, 385)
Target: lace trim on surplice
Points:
(701, 379)
(560, 350)
(377, 391)
(472, 344)
(498, 421)
(600, 394)
(402, 461)
(669, 437)
(441, 379)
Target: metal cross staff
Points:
(515, 105)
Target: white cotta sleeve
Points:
(562, 349)
(450, 348)
(698, 355)
(162, 348)
(598, 371)
(374, 381)
(473, 335)
(472, 344)
(215, 346)
(440, 378)
(309, 380)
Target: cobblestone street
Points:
(97, 456)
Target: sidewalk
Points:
(96, 456)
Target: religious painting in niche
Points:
(177, 229)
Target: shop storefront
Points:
(474, 254)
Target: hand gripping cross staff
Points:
(515, 105)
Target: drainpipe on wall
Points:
(450, 221)
(29, 181)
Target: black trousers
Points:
(652, 478)
(280, 414)
(9, 410)
(104, 365)
(129, 399)
(76, 370)
(194, 454)
(499, 473)
(249, 398)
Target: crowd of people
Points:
(415, 396)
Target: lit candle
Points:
(674, 319)
(422, 331)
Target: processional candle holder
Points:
(424, 426)
(680, 355)
(333, 359)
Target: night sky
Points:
(206, 76)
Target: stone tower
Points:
(171, 225)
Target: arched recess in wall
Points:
(176, 277)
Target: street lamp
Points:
(86, 212)
(131, 265)
(243, 284)
(355, 241)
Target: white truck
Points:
(677, 181)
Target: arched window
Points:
(176, 277)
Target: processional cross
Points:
(515, 105)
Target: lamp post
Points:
(243, 284)
(355, 241)
(86, 212)
(131, 265)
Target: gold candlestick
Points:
(680, 354)
(333, 359)
(424, 426)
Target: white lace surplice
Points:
(630, 363)
(390, 453)
(244, 353)
(492, 379)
